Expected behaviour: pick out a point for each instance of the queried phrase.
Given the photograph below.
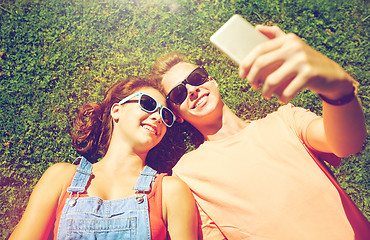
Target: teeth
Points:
(150, 129)
(200, 101)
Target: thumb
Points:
(270, 32)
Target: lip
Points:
(152, 129)
(200, 99)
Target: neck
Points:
(122, 159)
(227, 124)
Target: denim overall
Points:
(94, 218)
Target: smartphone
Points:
(236, 38)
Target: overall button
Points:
(72, 202)
(140, 198)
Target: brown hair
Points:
(163, 64)
(93, 125)
(176, 142)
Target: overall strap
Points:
(146, 178)
(82, 176)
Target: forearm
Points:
(344, 126)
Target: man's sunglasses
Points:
(179, 93)
(150, 105)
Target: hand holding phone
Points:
(236, 38)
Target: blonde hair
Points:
(164, 64)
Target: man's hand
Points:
(285, 65)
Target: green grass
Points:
(58, 54)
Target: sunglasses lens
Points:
(167, 117)
(178, 94)
(148, 103)
(198, 77)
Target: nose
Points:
(192, 91)
(156, 117)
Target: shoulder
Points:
(60, 171)
(42, 205)
(291, 116)
(176, 196)
(197, 152)
(53, 182)
(172, 183)
(191, 159)
(174, 187)
(58, 175)
(179, 209)
(289, 109)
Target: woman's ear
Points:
(114, 111)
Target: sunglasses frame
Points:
(160, 106)
(183, 83)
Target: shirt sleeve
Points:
(297, 119)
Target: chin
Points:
(205, 111)
(151, 143)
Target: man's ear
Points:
(214, 81)
(114, 111)
(179, 119)
(174, 109)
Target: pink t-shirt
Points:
(262, 183)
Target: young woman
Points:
(119, 197)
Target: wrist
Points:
(344, 99)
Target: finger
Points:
(245, 66)
(248, 61)
(295, 86)
(263, 66)
(278, 80)
(270, 31)
(261, 49)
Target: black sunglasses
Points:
(178, 94)
(150, 105)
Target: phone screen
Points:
(236, 38)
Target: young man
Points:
(260, 179)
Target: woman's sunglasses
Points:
(179, 93)
(150, 105)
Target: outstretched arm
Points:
(39, 216)
(179, 210)
(286, 65)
